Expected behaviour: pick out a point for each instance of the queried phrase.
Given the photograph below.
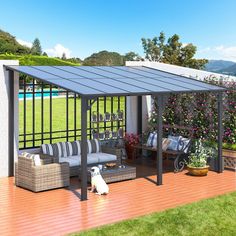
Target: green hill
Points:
(218, 65)
(221, 66)
(104, 58)
(32, 60)
(8, 44)
(231, 70)
(10, 49)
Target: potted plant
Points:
(197, 163)
(130, 141)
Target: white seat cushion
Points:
(104, 157)
(72, 160)
(92, 158)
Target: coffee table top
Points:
(118, 169)
(123, 168)
(116, 174)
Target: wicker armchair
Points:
(47, 176)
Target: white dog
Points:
(98, 182)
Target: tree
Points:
(36, 48)
(75, 60)
(172, 51)
(132, 56)
(45, 54)
(104, 58)
(63, 56)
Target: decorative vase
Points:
(198, 171)
(129, 151)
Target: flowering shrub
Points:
(199, 111)
(131, 139)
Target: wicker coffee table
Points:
(117, 174)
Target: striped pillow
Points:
(154, 141)
(89, 146)
(59, 149)
(76, 150)
(95, 146)
(56, 149)
(68, 149)
(47, 149)
(150, 140)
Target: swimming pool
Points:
(37, 94)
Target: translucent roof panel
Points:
(93, 81)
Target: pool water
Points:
(37, 94)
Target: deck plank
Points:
(58, 212)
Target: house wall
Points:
(180, 70)
(4, 115)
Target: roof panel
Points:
(166, 82)
(31, 71)
(114, 80)
(78, 71)
(114, 72)
(75, 87)
(177, 78)
(98, 84)
(126, 85)
(58, 72)
(101, 70)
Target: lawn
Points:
(58, 116)
(216, 216)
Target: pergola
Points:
(101, 81)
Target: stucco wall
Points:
(4, 116)
(131, 115)
(180, 70)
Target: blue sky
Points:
(82, 27)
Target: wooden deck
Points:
(58, 212)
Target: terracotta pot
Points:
(198, 171)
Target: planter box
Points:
(229, 159)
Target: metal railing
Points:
(37, 114)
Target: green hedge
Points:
(32, 60)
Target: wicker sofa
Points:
(105, 155)
(48, 175)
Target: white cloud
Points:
(185, 44)
(220, 52)
(58, 50)
(24, 43)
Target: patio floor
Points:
(60, 211)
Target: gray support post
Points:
(11, 124)
(220, 132)
(139, 115)
(84, 106)
(159, 139)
